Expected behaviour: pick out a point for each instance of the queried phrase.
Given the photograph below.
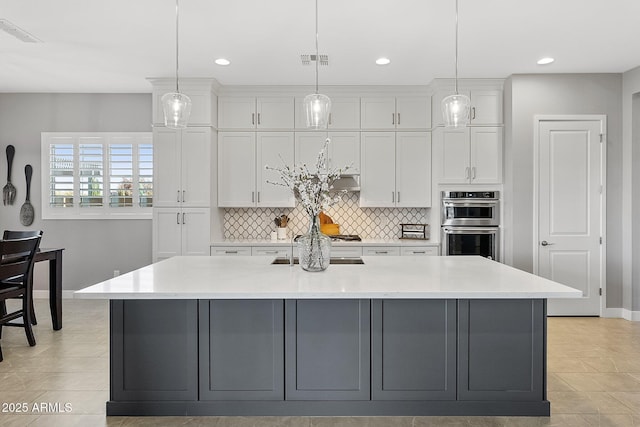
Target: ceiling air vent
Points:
(17, 32)
(308, 59)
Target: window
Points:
(97, 175)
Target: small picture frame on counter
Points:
(414, 231)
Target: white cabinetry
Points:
(263, 113)
(182, 165)
(396, 169)
(469, 155)
(396, 113)
(344, 149)
(180, 231)
(486, 107)
(344, 115)
(243, 180)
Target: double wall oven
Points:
(471, 223)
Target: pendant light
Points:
(176, 105)
(317, 106)
(455, 108)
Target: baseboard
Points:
(612, 313)
(634, 316)
(42, 294)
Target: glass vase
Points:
(314, 248)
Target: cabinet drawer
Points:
(420, 251)
(230, 250)
(273, 251)
(381, 251)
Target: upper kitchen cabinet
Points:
(344, 150)
(249, 113)
(469, 155)
(204, 103)
(385, 113)
(396, 169)
(182, 166)
(344, 115)
(243, 180)
(486, 107)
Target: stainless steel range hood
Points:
(350, 183)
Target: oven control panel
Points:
(471, 195)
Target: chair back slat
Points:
(16, 256)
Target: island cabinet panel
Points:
(501, 350)
(241, 350)
(414, 349)
(154, 350)
(327, 348)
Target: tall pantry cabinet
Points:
(182, 172)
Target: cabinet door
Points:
(167, 227)
(419, 251)
(166, 167)
(378, 113)
(327, 348)
(273, 148)
(241, 350)
(196, 235)
(486, 107)
(196, 167)
(307, 147)
(381, 251)
(486, 155)
(345, 113)
(453, 156)
(413, 169)
(414, 350)
(275, 113)
(413, 112)
(344, 150)
(236, 169)
(236, 112)
(377, 185)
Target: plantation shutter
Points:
(61, 175)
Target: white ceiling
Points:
(114, 45)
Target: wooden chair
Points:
(21, 234)
(16, 268)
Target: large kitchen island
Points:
(395, 336)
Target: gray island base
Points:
(315, 357)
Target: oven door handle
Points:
(448, 204)
(467, 230)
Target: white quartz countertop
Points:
(243, 277)
(364, 242)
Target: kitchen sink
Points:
(339, 261)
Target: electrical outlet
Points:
(116, 273)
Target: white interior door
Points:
(569, 211)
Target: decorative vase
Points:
(314, 248)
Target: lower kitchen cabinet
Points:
(241, 350)
(501, 350)
(413, 350)
(180, 231)
(327, 349)
(420, 251)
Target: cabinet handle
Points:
(253, 118)
(183, 218)
(473, 113)
(183, 195)
(270, 252)
(398, 191)
(393, 118)
(382, 252)
(473, 171)
(329, 118)
(393, 197)
(230, 252)
(258, 197)
(398, 118)
(466, 173)
(178, 218)
(253, 197)
(419, 252)
(178, 197)
(258, 118)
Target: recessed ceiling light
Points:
(545, 61)
(383, 61)
(222, 61)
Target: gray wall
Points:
(94, 248)
(561, 94)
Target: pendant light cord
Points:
(317, 54)
(456, 79)
(177, 21)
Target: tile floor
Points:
(594, 379)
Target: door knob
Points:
(545, 243)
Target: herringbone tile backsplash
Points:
(368, 223)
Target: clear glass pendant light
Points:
(176, 105)
(456, 107)
(317, 106)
